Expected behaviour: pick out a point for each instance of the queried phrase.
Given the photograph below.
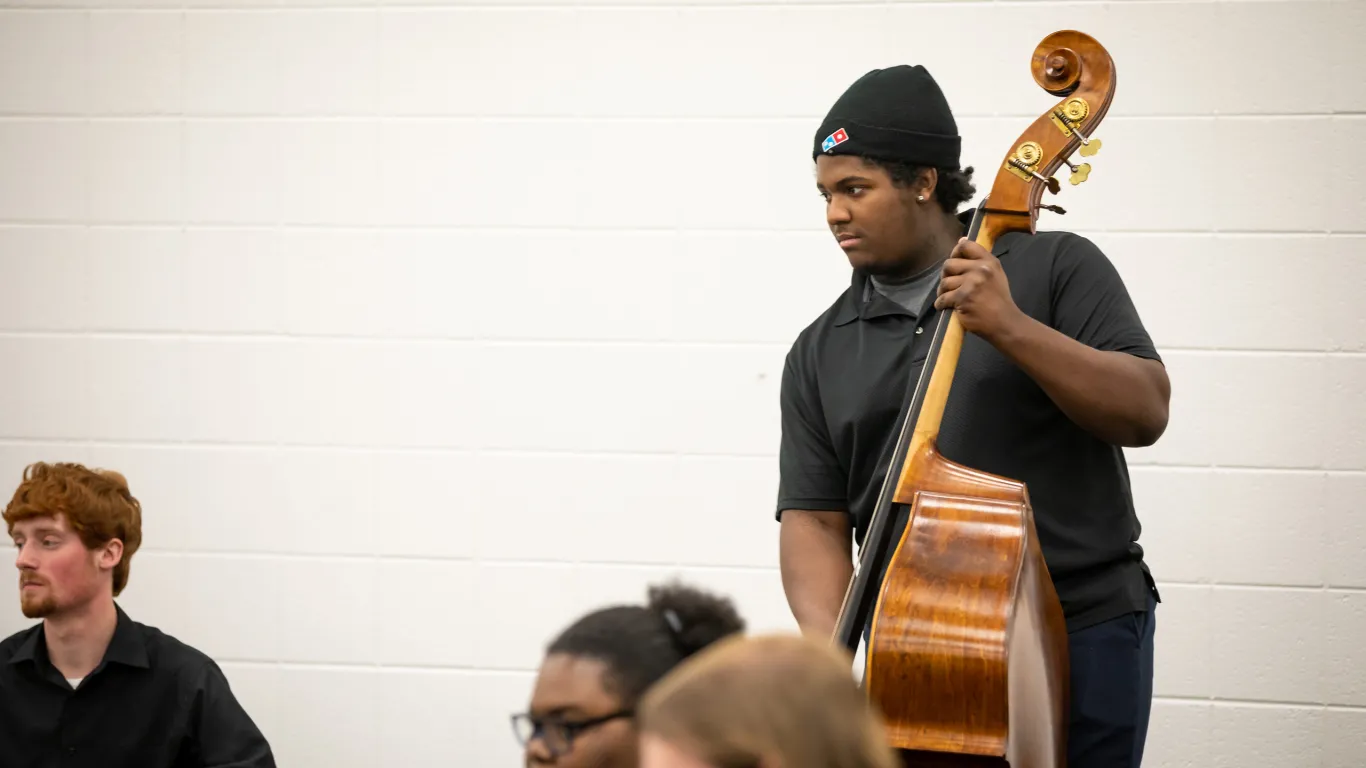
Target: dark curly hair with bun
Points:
(639, 644)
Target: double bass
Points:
(967, 655)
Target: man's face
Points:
(56, 572)
(880, 226)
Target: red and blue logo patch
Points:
(834, 139)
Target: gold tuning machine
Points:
(1068, 117)
(1023, 162)
(1079, 172)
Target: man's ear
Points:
(111, 554)
(926, 181)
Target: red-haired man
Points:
(88, 686)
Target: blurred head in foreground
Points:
(775, 701)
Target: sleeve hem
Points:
(1147, 353)
(818, 505)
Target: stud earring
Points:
(920, 198)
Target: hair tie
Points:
(672, 618)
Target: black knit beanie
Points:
(897, 113)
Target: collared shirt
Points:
(153, 702)
(847, 381)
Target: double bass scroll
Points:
(967, 645)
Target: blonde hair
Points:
(786, 698)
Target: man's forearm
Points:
(817, 597)
(816, 568)
(1118, 397)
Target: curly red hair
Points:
(95, 502)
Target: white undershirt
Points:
(74, 681)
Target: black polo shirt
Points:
(153, 702)
(848, 378)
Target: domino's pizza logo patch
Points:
(834, 140)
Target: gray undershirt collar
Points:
(910, 292)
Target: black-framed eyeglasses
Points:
(558, 733)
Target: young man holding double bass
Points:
(1057, 375)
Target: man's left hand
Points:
(974, 284)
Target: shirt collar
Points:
(125, 647)
(128, 646)
(854, 307)
(29, 649)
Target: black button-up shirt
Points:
(153, 702)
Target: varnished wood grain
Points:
(967, 653)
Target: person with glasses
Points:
(582, 708)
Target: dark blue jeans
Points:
(1112, 690)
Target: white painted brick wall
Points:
(422, 327)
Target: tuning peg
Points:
(1051, 182)
(1079, 172)
(1054, 208)
(1089, 146)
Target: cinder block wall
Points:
(421, 328)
